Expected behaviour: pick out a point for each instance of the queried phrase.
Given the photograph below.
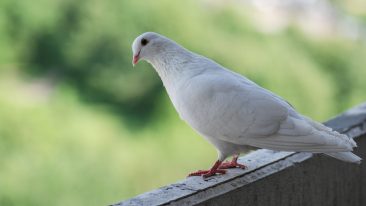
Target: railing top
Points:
(260, 164)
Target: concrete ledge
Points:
(278, 178)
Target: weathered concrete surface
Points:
(316, 181)
(278, 178)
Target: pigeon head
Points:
(149, 45)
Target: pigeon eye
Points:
(144, 41)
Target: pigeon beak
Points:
(136, 59)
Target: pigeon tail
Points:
(346, 156)
(342, 138)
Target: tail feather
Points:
(320, 127)
(346, 156)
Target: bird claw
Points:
(232, 164)
(207, 173)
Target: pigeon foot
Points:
(228, 165)
(232, 164)
(207, 173)
(211, 172)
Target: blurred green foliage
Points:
(79, 126)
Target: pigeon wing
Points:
(223, 106)
(237, 110)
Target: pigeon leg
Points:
(232, 164)
(211, 172)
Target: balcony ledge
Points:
(277, 178)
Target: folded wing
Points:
(250, 115)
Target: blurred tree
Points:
(47, 56)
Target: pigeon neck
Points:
(174, 67)
(172, 64)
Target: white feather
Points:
(233, 112)
(346, 156)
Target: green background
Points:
(80, 126)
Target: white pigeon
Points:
(232, 112)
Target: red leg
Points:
(208, 173)
(232, 164)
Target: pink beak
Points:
(136, 59)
